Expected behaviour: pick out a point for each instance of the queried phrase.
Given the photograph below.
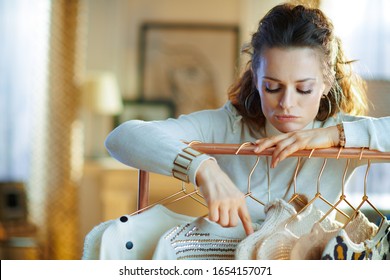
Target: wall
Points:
(112, 42)
(113, 30)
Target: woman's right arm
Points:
(154, 145)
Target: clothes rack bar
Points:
(334, 152)
(248, 150)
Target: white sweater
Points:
(131, 237)
(154, 145)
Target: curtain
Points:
(23, 68)
(58, 154)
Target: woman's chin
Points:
(288, 127)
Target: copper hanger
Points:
(365, 200)
(249, 191)
(174, 197)
(296, 197)
(316, 196)
(343, 197)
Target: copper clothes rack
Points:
(240, 149)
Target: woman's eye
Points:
(271, 87)
(304, 91)
(271, 90)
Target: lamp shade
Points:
(101, 94)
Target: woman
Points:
(298, 92)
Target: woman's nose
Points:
(287, 99)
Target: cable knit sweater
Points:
(154, 145)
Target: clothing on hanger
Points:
(93, 240)
(341, 247)
(277, 212)
(285, 224)
(201, 239)
(134, 237)
(310, 246)
(278, 245)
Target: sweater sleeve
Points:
(154, 145)
(372, 133)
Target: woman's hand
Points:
(288, 143)
(225, 201)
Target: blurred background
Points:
(72, 70)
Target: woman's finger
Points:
(224, 216)
(266, 143)
(213, 212)
(282, 148)
(245, 218)
(233, 217)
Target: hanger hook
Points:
(361, 153)
(311, 153)
(339, 152)
(242, 146)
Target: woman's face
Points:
(290, 83)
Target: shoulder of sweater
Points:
(227, 114)
(226, 110)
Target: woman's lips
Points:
(286, 118)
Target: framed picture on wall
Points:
(193, 65)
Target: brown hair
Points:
(286, 26)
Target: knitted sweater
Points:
(154, 145)
(200, 240)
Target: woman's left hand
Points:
(288, 143)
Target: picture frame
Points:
(192, 65)
(146, 110)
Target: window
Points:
(24, 27)
(364, 28)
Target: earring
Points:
(329, 109)
(248, 103)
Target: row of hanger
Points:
(195, 194)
